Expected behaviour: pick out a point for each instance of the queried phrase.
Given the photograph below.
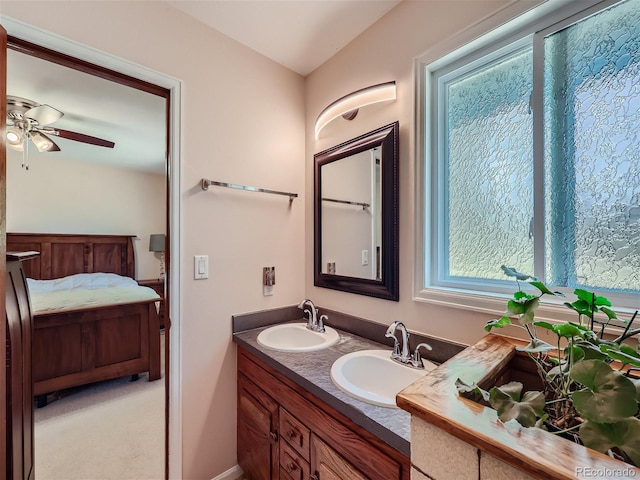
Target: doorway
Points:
(86, 60)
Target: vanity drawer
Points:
(295, 433)
(292, 466)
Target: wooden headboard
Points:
(68, 254)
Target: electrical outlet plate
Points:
(268, 280)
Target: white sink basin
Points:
(296, 337)
(371, 376)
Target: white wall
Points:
(386, 52)
(243, 122)
(63, 196)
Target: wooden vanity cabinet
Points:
(286, 433)
(329, 465)
(294, 448)
(257, 431)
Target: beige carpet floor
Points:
(111, 430)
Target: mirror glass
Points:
(356, 215)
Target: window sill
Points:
(495, 304)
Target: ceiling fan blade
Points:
(43, 114)
(43, 143)
(81, 137)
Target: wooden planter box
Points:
(539, 454)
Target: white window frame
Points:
(511, 24)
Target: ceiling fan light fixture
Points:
(42, 143)
(15, 139)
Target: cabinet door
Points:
(19, 390)
(329, 465)
(257, 432)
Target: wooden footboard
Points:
(77, 347)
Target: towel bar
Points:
(207, 183)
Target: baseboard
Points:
(231, 474)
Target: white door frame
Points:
(55, 42)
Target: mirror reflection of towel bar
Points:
(207, 183)
(347, 202)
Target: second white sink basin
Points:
(371, 376)
(296, 337)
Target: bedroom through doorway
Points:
(81, 186)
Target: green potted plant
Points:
(589, 390)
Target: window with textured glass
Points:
(565, 207)
(488, 167)
(592, 151)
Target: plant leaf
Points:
(624, 434)
(465, 388)
(591, 351)
(545, 325)
(584, 295)
(580, 306)
(512, 272)
(543, 289)
(609, 313)
(622, 353)
(591, 299)
(560, 369)
(514, 308)
(498, 323)
(609, 395)
(512, 389)
(567, 330)
(536, 346)
(629, 350)
(577, 353)
(530, 308)
(506, 401)
(519, 296)
(602, 302)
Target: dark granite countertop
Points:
(311, 370)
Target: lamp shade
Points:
(156, 242)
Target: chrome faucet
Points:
(313, 322)
(403, 354)
(391, 333)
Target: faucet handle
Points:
(417, 359)
(321, 320)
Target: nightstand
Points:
(157, 285)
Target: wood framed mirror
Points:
(356, 215)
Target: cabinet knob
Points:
(274, 436)
(292, 467)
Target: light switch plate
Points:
(200, 267)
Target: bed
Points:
(77, 345)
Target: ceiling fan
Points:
(28, 120)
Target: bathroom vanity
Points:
(285, 432)
(295, 424)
